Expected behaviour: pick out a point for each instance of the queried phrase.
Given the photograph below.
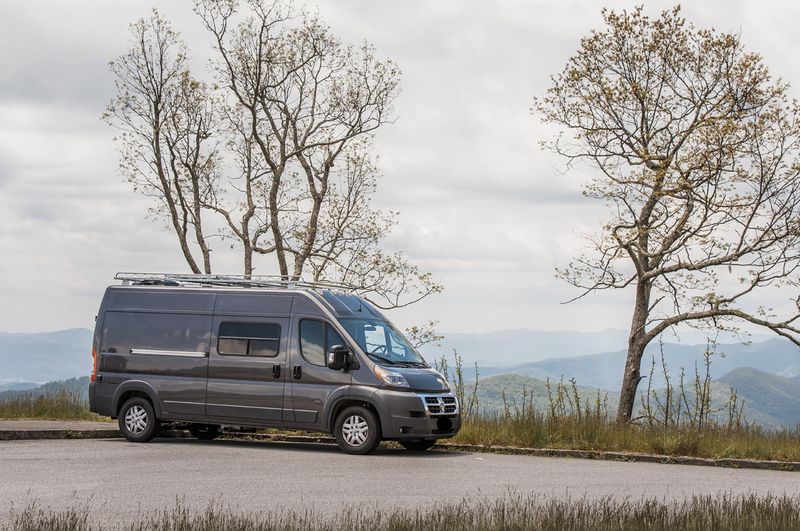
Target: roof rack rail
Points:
(245, 281)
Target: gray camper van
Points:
(205, 352)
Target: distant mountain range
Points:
(73, 385)
(775, 398)
(513, 347)
(506, 348)
(43, 357)
(604, 370)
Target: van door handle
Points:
(297, 372)
(276, 371)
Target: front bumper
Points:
(405, 415)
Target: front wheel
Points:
(205, 432)
(137, 420)
(418, 445)
(357, 430)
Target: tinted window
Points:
(317, 338)
(312, 341)
(333, 339)
(123, 331)
(249, 339)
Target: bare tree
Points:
(307, 106)
(279, 151)
(165, 118)
(695, 149)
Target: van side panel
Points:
(160, 340)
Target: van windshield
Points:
(383, 343)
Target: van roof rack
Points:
(244, 281)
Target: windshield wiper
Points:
(416, 364)
(381, 358)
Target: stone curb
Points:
(20, 435)
(601, 455)
(597, 455)
(111, 433)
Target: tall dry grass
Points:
(59, 405)
(726, 512)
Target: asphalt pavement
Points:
(118, 480)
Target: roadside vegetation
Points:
(61, 404)
(678, 420)
(517, 512)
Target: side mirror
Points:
(338, 358)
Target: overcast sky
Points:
(481, 205)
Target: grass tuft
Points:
(513, 513)
(58, 405)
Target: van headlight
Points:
(388, 377)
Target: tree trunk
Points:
(274, 218)
(636, 344)
(198, 225)
(248, 259)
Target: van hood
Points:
(420, 379)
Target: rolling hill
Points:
(44, 357)
(771, 395)
(506, 348)
(73, 385)
(605, 370)
(512, 347)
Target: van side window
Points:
(249, 339)
(312, 341)
(317, 338)
(333, 338)
(123, 331)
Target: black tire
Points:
(357, 430)
(205, 432)
(137, 420)
(418, 445)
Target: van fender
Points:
(384, 410)
(348, 393)
(139, 386)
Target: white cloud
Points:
(481, 206)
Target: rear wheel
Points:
(357, 430)
(205, 432)
(137, 420)
(418, 445)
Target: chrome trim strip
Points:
(180, 353)
(245, 407)
(182, 402)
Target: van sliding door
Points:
(247, 368)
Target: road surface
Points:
(118, 480)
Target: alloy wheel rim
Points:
(355, 430)
(136, 419)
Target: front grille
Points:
(440, 404)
